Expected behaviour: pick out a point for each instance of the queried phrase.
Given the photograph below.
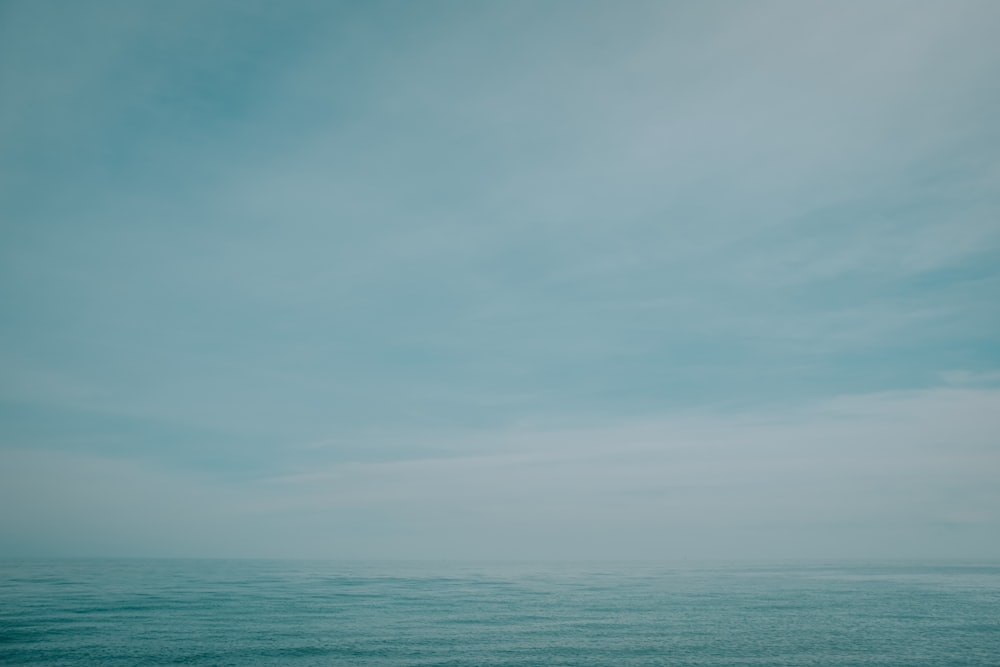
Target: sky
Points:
(500, 280)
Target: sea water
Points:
(222, 612)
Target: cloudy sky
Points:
(500, 279)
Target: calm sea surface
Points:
(216, 612)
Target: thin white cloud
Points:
(905, 463)
(403, 258)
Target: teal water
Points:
(217, 612)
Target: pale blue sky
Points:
(509, 279)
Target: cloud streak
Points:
(890, 475)
(231, 230)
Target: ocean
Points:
(298, 613)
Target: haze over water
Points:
(672, 282)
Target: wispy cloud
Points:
(871, 474)
(232, 229)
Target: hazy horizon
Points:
(645, 281)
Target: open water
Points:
(218, 612)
